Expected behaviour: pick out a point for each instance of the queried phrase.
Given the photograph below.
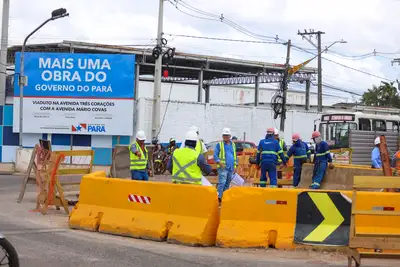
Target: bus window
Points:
(378, 125)
(336, 134)
(392, 126)
(364, 124)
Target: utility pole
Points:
(308, 35)
(3, 52)
(285, 82)
(155, 123)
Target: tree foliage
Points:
(384, 95)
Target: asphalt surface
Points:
(45, 240)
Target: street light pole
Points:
(156, 116)
(56, 14)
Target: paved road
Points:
(46, 241)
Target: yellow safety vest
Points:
(184, 167)
(281, 142)
(221, 155)
(136, 162)
(199, 147)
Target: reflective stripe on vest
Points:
(281, 142)
(300, 157)
(222, 156)
(136, 162)
(323, 153)
(184, 167)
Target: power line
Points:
(219, 18)
(342, 65)
(222, 39)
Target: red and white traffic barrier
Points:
(139, 199)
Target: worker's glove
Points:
(258, 167)
(331, 166)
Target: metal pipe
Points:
(200, 87)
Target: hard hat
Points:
(271, 130)
(141, 136)
(172, 140)
(295, 136)
(315, 134)
(194, 129)
(191, 136)
(226, 131)
(377, 140)
(276, 132)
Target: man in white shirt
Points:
(200, 146)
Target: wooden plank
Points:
(380, 255)
(72, 153)
(387, 235)
(376, 212)
(376, 182)
(375, 243)
(31, 166)
(73, 171)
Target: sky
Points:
(366, 26)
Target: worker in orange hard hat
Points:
(322, 158)
(300, 152)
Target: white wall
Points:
(211, 118)
(230, 94)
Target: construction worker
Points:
(200, 146)
(283, 147)
(376, 155)
(139, 158)
(226, 159)
(322, 158)
(171, 146)
(186, 164)
(301, 153)
(268, 153)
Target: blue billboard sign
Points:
(76, 93)
(77, 75)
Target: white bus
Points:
(335, 127)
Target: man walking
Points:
(225, 156)
(139, 158)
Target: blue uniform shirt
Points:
(269, 150)
(322, 153)
(300, 151)
(376, 158)
(229, 156)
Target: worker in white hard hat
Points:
(200, 146)
(376, 155)
(283, 146)
(186, 164)
(139, 158)
(226, 159)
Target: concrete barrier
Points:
(186, 214)
(339, 178)
(258, 217)
(288, 218)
